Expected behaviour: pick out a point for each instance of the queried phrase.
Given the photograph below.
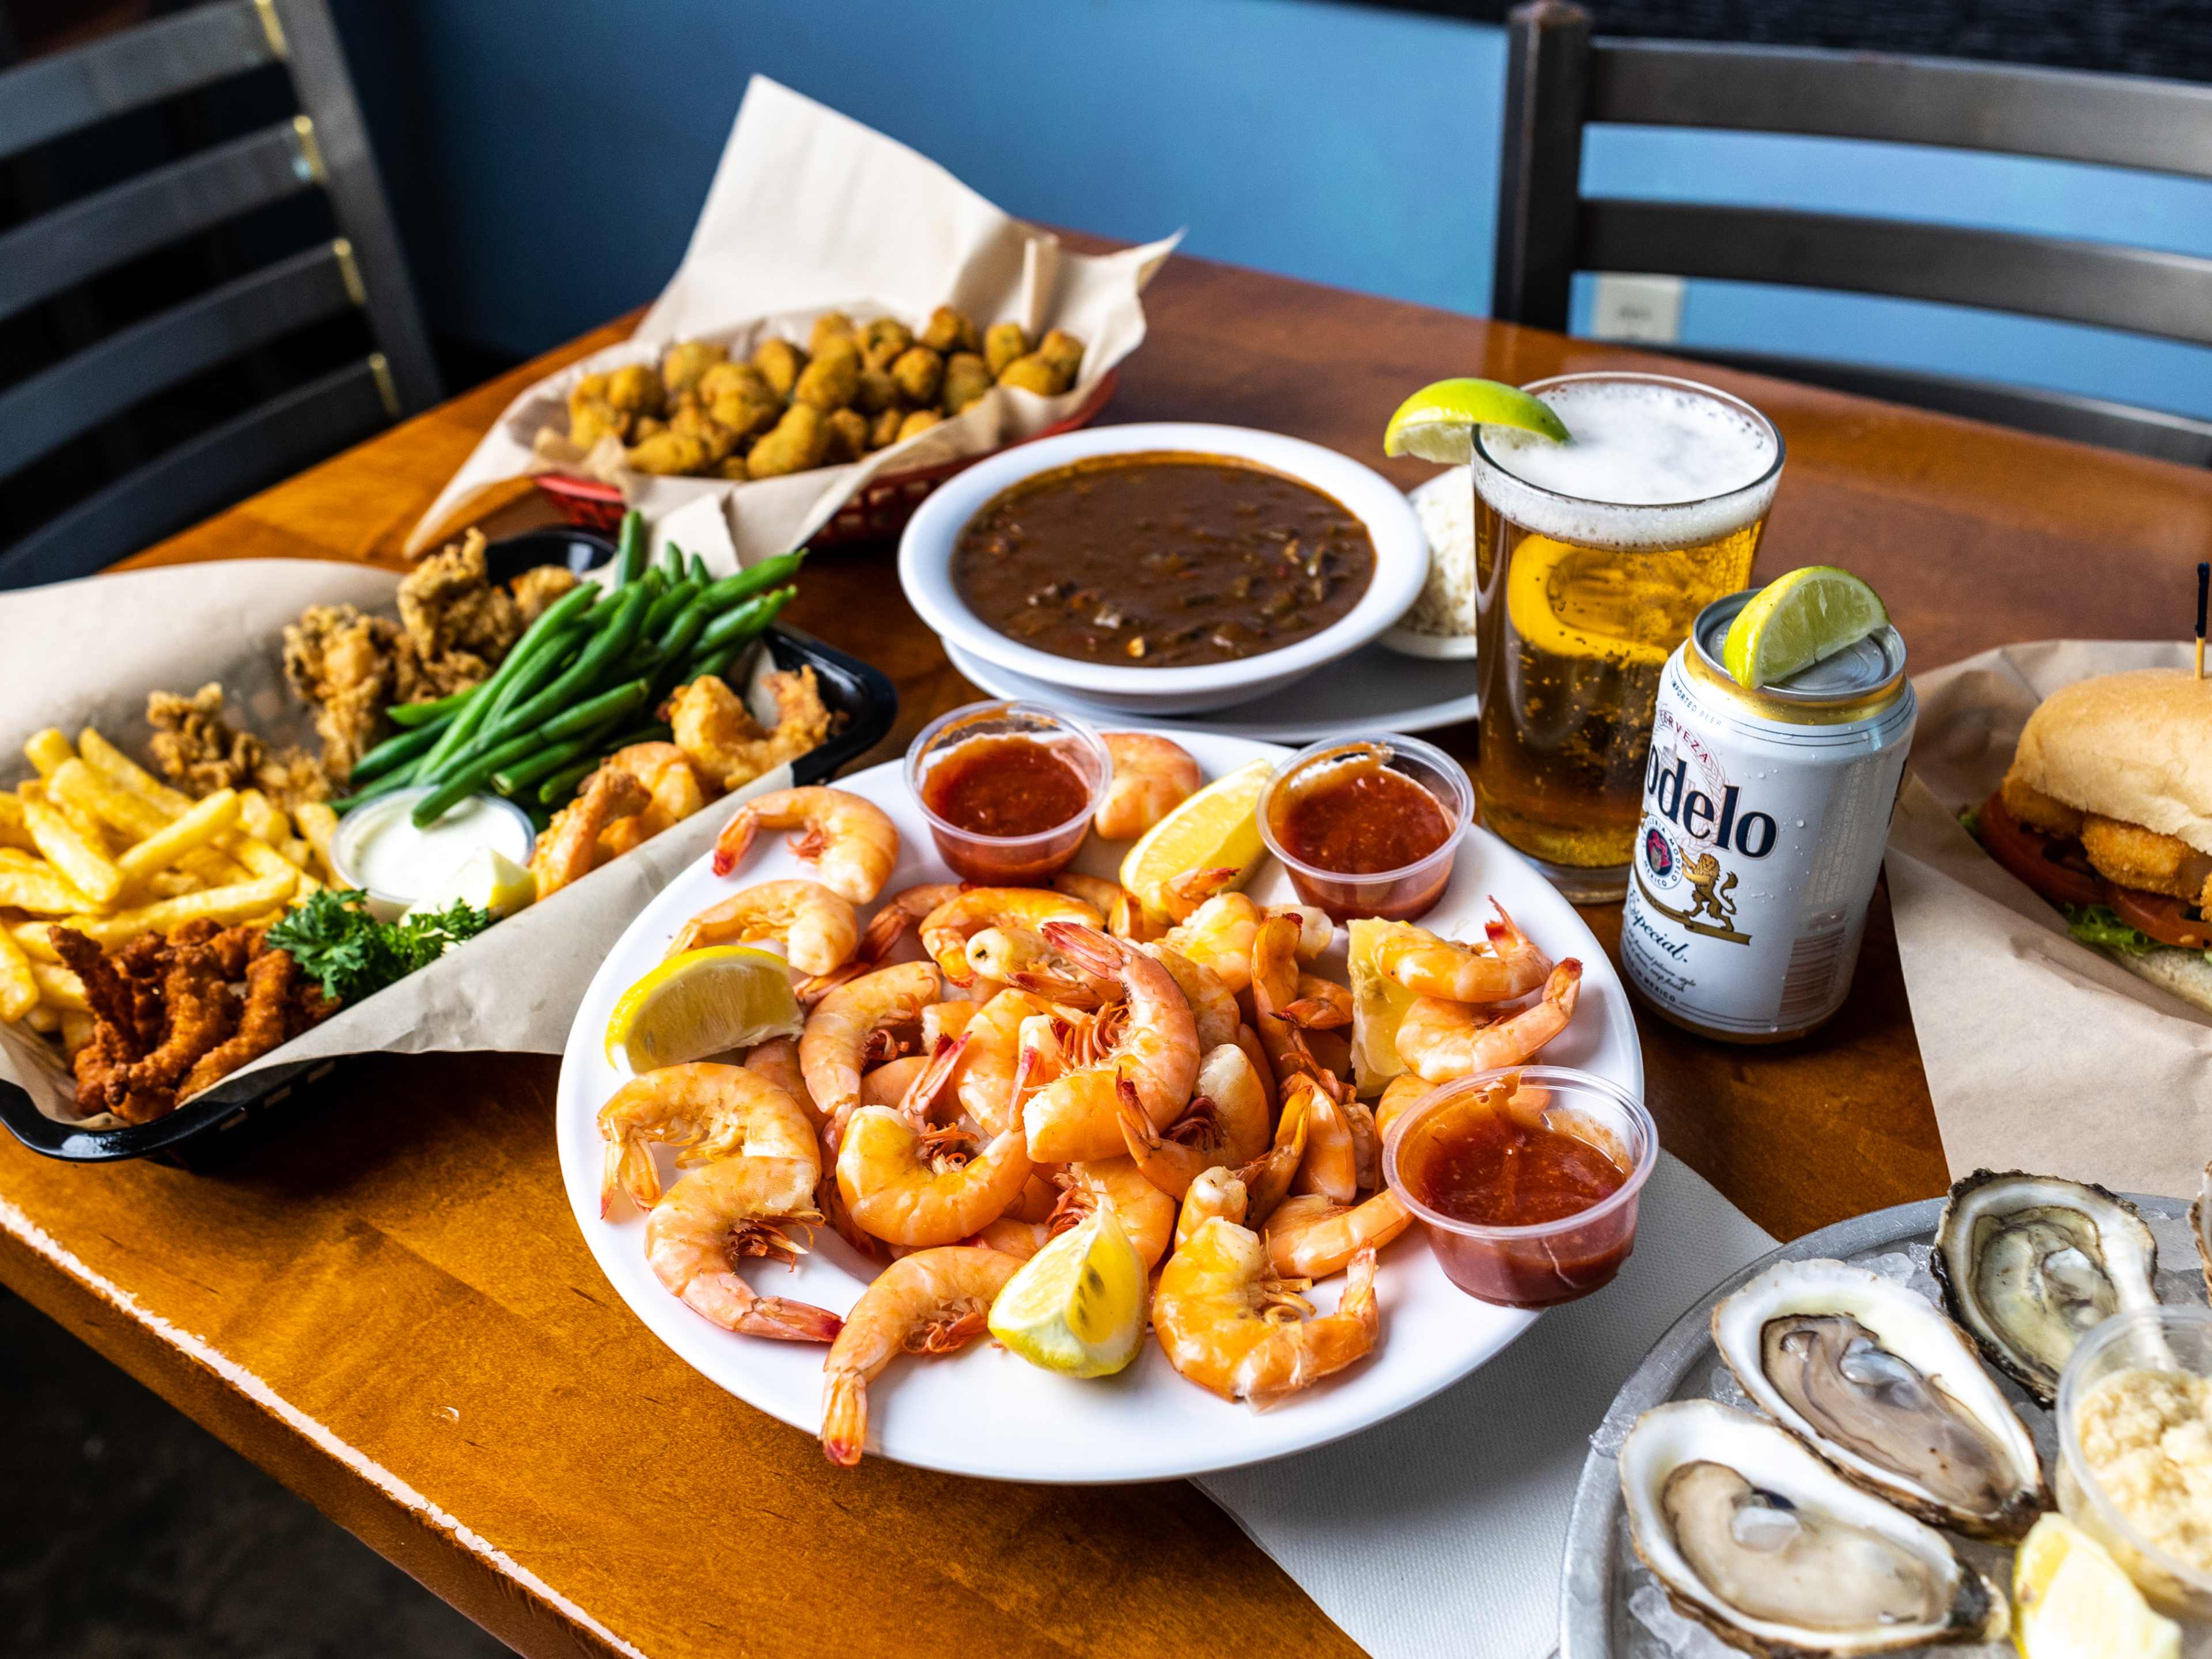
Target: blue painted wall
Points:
(548, 159)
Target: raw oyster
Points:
(1758, 1540)
(2031, 1264)
(1887, 1391)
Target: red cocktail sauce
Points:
(1356, 817)
(1497, 1162)
(1005, 787)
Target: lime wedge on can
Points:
(1438, 422)
(1797, 620)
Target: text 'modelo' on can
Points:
(1765, 812)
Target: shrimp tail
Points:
(844, 1418)
(735, 841)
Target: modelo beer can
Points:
(1765, 816)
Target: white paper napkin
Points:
(1441, 1530)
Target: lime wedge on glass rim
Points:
(1797, 620)
(1438, 422)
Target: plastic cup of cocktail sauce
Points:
(1382, 882)
(1537, 1263)
(992, 780)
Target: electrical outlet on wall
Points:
(1647, 308)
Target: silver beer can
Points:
(1765, 813)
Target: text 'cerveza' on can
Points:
(1765, 812)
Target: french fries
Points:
(98, 843)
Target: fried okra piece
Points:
(848, 435)
(594, 419)
(830, 326)
(1002, 343)
(800, 442)
(920, 420)
(967, 377)
(723, 379)
(1034, 374)
(695, 422)
(1063, 352)
(887, 427)
(669, 453)
(686, 361)
(948, 330)
(829, 381)
(745, 412)
(634, 390)
(919, 372)
(882, 340)
(876, 392)
(780, 362)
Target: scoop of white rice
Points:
(1446, 506)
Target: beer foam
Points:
(1653, 463)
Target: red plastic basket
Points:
(879, 511)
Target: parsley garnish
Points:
(337, 941)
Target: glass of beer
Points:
(1592, 559)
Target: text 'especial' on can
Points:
(1765, 813)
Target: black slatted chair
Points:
(325, 149)
(1559, 79)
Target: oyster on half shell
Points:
(1766, 1546)
(1883, 1386)
(2031, 1264)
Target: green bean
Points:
(669, 604)
(563, 784)
(750, 581)
(700, 573)
(631, 549)
(676, 642)
(519, 772)
(384, 786)
(424, 714)
(656, 732)
(470, 778)
(394, 751)
(673, 562)
(606, 649)
(613, 705)
(750, 617)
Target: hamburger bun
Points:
(2186, 974)
(2135, 746)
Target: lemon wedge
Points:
(488, 879)
(1216, 829)
(1378, 1003)
(1438, 422)
(1077, 1307)
(1797, 620)
(2071, 1601)
(701, 1003)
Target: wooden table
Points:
(391, 1309)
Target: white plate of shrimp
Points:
(667, 1233)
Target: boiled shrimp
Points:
(1147, 1215)
(1268, 1177)
(1230, 1325)
(1123, 910)
(1401, 1091)
(1018, 956)
(1013, 1236)
(833, 1047)
(919, 1190)
(729, 1209)
(946, 930)
(986, 1078)
(672, 790)
(900, 913)
(569, 848)
(933, 1302)
(1212, 1004)
(1153, 776)
(850, 841)
(887, 1084)
(1217, 935)
(1274, 987)
(818, 926)
(1444, 1039)
(1148, 1039)
(1226, 1123)
(946, 1019)
(1217, 1191)
(1331, 1165)
(705, 1111)
(777, 1060)
(1310, 1237)
(1511, 967)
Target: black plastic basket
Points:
(863, 695)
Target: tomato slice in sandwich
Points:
(2169, 920)
(2056, 869)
